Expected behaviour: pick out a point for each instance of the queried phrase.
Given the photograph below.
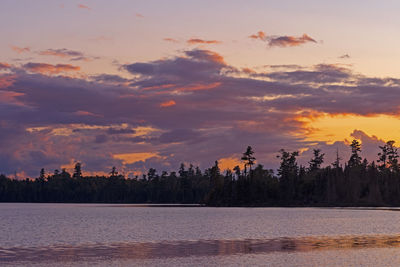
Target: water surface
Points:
(104, 234)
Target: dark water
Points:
(120, 235)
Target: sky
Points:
(140, 84)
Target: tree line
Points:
(357, 182)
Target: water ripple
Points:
(187, 248)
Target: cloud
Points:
(192, 107)
(65, 53)
(345, 56)
(7, 80)
(49, 68)
(194, 66)
(10, 97)
(110, 78)
(85, 113)
(20, 50)
(259, 35)
(138, 15)
(4, 65)
(172, 40)
(194, 41)
(282, 41)
(82, 6)
(285, 41)
(168, 103)
(130, 158)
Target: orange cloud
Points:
(248, 70)
(199, 86)
(86, 113)
(84, 7)
(201, 41)
(138, 15)
(20, 50)
(169, 103)
(49, 68)
(259, 35)
(163, 86)
(206, 55)
(4, 65)
(7, 80)
(11, 97)
(172, 40)
(284, 41)
(63, 53)
(129, 158)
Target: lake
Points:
(140, 235)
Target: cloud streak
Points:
(82, 6)
(20, 50)
(194, 41)
(45, 68)
(282, 41)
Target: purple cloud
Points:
(51, 121)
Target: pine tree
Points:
(316, 161)
(248, 159)
(77, 170)
(355, 159)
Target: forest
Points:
(354, 183)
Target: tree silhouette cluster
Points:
(355, 183)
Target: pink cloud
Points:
(20, 50)
(285, 41)
(86, 113)
(7, 80)
(199, 86)
(172, 40)
(4, 65)
(202, 41)
(49, 68)
(259, 35)
(83, 6)
(169, 103)
(282, 41)
(11, 97)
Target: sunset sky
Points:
(140, 84)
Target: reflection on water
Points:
(189, 248)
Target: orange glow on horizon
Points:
(331, 128)
(129, 158)
(229, 163)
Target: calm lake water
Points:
(132, 235)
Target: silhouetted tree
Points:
(42, 174)
(113, 172)
(358, 183)
(316, 161)
(288, 171)
(389, 156)
(355, 159)
(248, 159)
(151, 174)
(77, 170)
(336, 163)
